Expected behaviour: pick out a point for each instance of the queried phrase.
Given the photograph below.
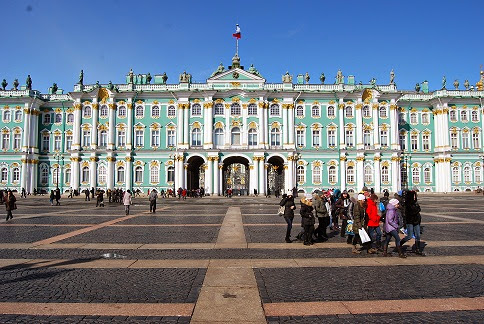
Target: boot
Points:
(288, 240)
(417, 249)
(371, 251)
(378, 246)
(385, 251)
(400, 252)
(355, 250)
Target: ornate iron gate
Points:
(275, 178)
(236, 177)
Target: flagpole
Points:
(236, 46)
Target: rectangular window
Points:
(57, 142)
(349, 138)
(155, 138)
(316, 138)
(453, 140)
(367, 139)
(465, 140)
(300, 137)
(384, 138)
(45, 142)
(426, 142)
(252, 110)
(121, 138)
(86, 138)
(331, 138)
(476, 141)
(68, 142)
(139, 138)
(47, 119)
(403, 141)
(17, 138)
(414, 141)
(171, 138)
(5, 141)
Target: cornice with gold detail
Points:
(360, 158)
(93, 159)
(377, 158)
(94, 106)
(343, 158)
(393, 107)
(396, 159)
(75, 159)
(208, 104)
(288, 106)
(111, 159)
(128, 159)
(358, 106)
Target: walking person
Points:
(374, 230)
(308, 220)
(289, 208)
(152, 197)
(127, 201)
(344, 206)
(86, 192)
(70, 193)
(57, 197)
(100, 198)
(358, 221)
(412, 220)
(391, 227)
(319, 204)
(10, 204)
(51, 197)
(24, 193)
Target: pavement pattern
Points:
(221, 260)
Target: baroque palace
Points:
(237, 131)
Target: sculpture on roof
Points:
(322, 78)
(54, 88)
(417, 87)
(287, 78)
(148, 78)
(131, 76)
(15, 84)
(110, 86)
(339, 77)
(444, 82)
(219, 70)
(164, 77)
(29, 82)
(4, 84)
(81, 78)
(373, 82)
(466, 84)
(254, 71)
(185, 77)
(392, 77)
(306, 77)
(456, 84)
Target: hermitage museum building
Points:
(238, 131)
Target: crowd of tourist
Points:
(367, 221)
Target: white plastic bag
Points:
(363, 235)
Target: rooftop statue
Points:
(29, 82)
(456, 84)
(15, 84)
(286, 78)
(392, 77)
(148, 78)
(219, 69)
(254, 71)
(4, 84)
(110, 86)
(184, 77)
(54, 88)
(131, 76)
(466, 84)
(444, 82)
(306, 77)
(322, 78)
(373, 82)
(81, 78)
(417, 87)
(97, 85)
(339, 77)
(164, 77)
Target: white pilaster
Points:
(285, 128)
(208, 176)
(92, 171)
(262, 188)
(75, 172)
(216, 185)
(34, 173)
(76, 136)
(360, 172)
(129, 172)
(23, 173)
(186, 129)
(393, 126)
(342, 144)
(342, 172)
(179, 128)
(208, 125)
(359, 126)
(395, 173)
(228, 127)
(290, 113)
(110, 175)
(112, 129)
(376, 131)
(26, 133)
(95, 118)
(376, 173)
(129, 131)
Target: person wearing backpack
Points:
(289, 207)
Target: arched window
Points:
(140, 111)
(170, 174)
(275, 137)
(171, 111)
(427, 175)
(155, 111)
(58, 118)
(367, 138)
(44, 175)
(465, 140)
(196, 110)
(317, 175)
(103, 138)
(18, 115)
(455, 174)
(350, 174)
(101, 173)
(452, 115)
(425, 118)
(475, 116)
(122, 112)
(103, 112)
(138, 174)
(300, 174)
(70, 118)
(219, 137)
(85, 174)
(235, 109)
(219, 109)
(196, 137)
(413, 118)
(349, 111)
(87, 112)
(252, 109)
(6, 116)
(416, 175)
(274, 110)
(121, 174)
(368, 174)
(383, 112)
(384, 174)
(332, 174)
(315, 111)
(366, 111)
(300, 111)
(67, 178)
(235, 136)
(4, 174)
(463, 116)
(252, 137)
(467, 174)
(477, 174)
(331, 111)
(154, 174)
(15, 175)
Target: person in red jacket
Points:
(374, 230)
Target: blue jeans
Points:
(289, 226)
(393, 233)
(375, 235)
(412, 230)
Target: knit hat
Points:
(361, 197)
(394, 201)
(364, 189)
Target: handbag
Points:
(363, 235)
(281, 211)
(349, 228)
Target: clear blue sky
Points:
(53, 40)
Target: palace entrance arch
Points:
(195, 173)
(235, 175)
(275, 174)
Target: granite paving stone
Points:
(160, 220)
(29, 319)
(29, 234)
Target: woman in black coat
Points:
(308, 219)
(289, 208)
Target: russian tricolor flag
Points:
(237, 32)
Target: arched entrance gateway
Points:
(195, 173)
(275, 174)
(235, 175)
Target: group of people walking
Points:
(362, 219)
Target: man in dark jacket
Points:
(319, 204)
(289, 208)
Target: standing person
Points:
(152, 198)
(345, 207)
(100, 198)
(289, 208)
(51, 197)
(10, 204)
(374, 230)
(412, 220)
(334, 214)
(294, 192)
(319, 204)
(70, 193)
(92, 192)
(127, 201)
(24, 193)
(57, 197)
(184, 194)
(307, 221)
(86, 192)
(391, 228)
(358, 221)
(384, 200)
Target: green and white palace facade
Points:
(238, 131)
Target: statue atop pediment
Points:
(219, 70)
(287, 78)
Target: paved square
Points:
(224, 260)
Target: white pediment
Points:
(236, 75)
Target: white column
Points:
(76, 143)
(179, 128)
(393, 126)
(23, 173)
(216, 186)
(129, 172)
(260, 117)
(34, 173)
(95, 118)
(112, 129)
(75, 172)
(220, 178)
(447, 174)
(184, 175)
(208, 176)
(267, 127)
(359, 126)
(254, 180)
(342, 144)
(342, 172)
(244, 131)
(360, 172)
(26, 132)
(444, 133)
(129, 131)
(395, 172)
(177, 173)
(207, 125)
(376, 173)
(287, 176)
(227, 125)
(290, 113)
(264, 176)
(376, 137)
(186, 129)
(110, 174)
(262, 189)
(285, 128)
(92, 172)
(34, 129)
